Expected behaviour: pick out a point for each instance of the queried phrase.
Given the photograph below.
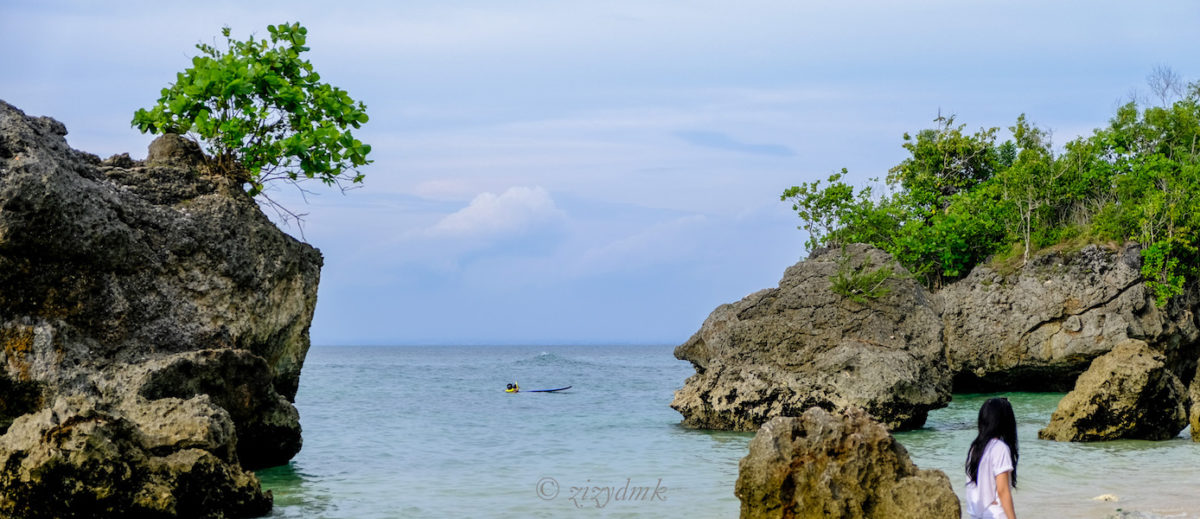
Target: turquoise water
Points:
(430, 432)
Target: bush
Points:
(960, 198)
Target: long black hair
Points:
(996, 420)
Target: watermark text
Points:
(590, 495)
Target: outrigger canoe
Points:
(545, 390)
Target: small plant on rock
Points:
(860, 283)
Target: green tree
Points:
(1029, 182)
(944, 161)
(823, 210)
(1155, 157)
(958, 198)
(262, 114)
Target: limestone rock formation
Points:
(1126, 393)
(782, 350)
(1040, 326)
(268, 426)
(125, 262)
(1194, 410)
(164, 307)
(837, 465)
(74, 459)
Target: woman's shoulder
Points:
(998, 445)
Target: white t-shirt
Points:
(982, 501)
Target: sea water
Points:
(430, 432)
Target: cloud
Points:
(516, 211)
(721, 141)
(592, 103)
(425, 242)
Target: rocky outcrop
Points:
(1194, 409)
(268, 426)
(1040, 326)
(837, 465)
(1127, 393)
(1034, 328)
(782, 350)
(155, 258)
(157, 310)
(74, 459)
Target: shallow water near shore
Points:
(1057, 479)
(430, 432)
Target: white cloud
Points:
(416, 237)
(513, 212)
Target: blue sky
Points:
(597, 172)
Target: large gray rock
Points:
(846, 465)
(163, 299)
(115, 264)
(1194, 409)
(782, 350)
(268, 426)
(1126, 393)
(1038, 327)
(78, 460)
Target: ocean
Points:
(396, 432)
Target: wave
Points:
(546, 358)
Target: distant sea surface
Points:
(394, 432)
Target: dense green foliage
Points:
(262, 113)
(960, 198)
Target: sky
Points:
(567, 172)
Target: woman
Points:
(992, 463)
